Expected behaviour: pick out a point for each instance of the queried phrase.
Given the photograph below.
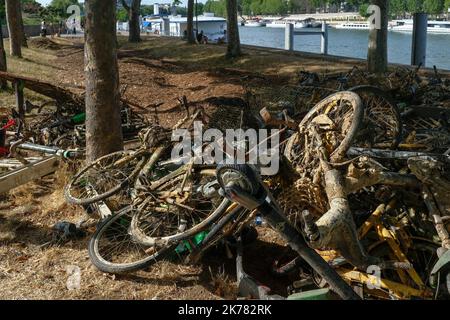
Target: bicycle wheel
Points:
(181, 204)
(338, 117)
(382, 125)
(104, 177)
(112, 248)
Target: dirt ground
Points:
(156, 71)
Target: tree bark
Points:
(103, 123)
(190, 22)
(3, 63)
(234, 44)
(23, 40)
(377, 59)
(134, 28)
(14, 27)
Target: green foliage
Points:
(273, 7)
(249, 7)
(2, 11)
(397, 7)
(56, 11)
(279, 7)
(199, 8)
(256, 7)
(122, 15)
(146, 10)
(31, 9)
(433, 6)
(31, 6)
(217, 7)
(60, 6)
(363, 10)
(244, 7)
(414, 6)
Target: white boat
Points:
(441, 27)
(300, 25)
(312, 23)
(255, 23)
(282, 24)
(213, 27)
(276, 24)
(353, 26)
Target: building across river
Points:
(214, 28)
(440, 27)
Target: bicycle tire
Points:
(104, 263)
(169, 232)
(70, 189)
(350, 134)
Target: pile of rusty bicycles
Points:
(361, 197)
(36, 137)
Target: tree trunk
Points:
(14, 27)
(234, 44)
(3, 64)
(377, 59)
(23, 40)
(134, 27)
(103, 123)
(190, 22)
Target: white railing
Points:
(290, 33)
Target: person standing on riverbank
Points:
(43, 29)
(74, 26)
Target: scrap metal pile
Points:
(32, 136)
(364, 180)
(371, 171)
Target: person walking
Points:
(43, 29)
(74, 26)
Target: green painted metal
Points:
(79, 118)
(443, 261)
(319, 294)
(186, 245)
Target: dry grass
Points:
(36, 62)
(222, 285)
(254, 60)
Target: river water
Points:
(353, 43)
